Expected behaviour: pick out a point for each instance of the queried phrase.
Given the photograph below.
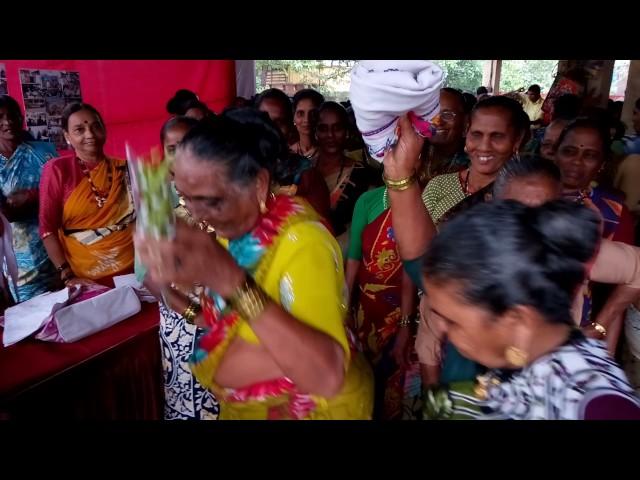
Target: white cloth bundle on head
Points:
(384, 90)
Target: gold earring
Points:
(516, 356)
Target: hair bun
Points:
(259, 129)
(176, 105)
(566, 229)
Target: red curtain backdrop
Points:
(131, 95)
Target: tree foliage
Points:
(319, 74)
(466, 75)
(463, 74)
(517, 74)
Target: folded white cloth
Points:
(383, 90)
(95, 314)
(144, 295)
(26, 318)
(69, 314)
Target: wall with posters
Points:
(46, 93)
(131, 95)
(3, 79)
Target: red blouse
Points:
(59, 178)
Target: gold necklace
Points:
(483, 384)
(100, 196)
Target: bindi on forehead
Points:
(582, 146)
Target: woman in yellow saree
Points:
(86, 210)
(274, 343)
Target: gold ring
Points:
(599, 328)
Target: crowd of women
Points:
(487, 272)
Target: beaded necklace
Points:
(100, 196)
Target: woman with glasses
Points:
(384, 298)
(445, 151)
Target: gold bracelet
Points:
(405, 322)
(249, 300)
(599, 328)
(191, 312)
(399, 185)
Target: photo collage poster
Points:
(3, 79)
(46, 93)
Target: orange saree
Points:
(98, 241)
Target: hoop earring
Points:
(516, 357)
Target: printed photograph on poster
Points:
(56, 136)
(71, 85)
(55, 105)
(36, 117)
(46, 93)
(30, 77)
(32, 95)
(54, 122)
(39, 134)
(3, 79)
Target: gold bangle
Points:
(599, 328)
(249, 300)
(400, 189)
(399, 185)
(191, 312)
